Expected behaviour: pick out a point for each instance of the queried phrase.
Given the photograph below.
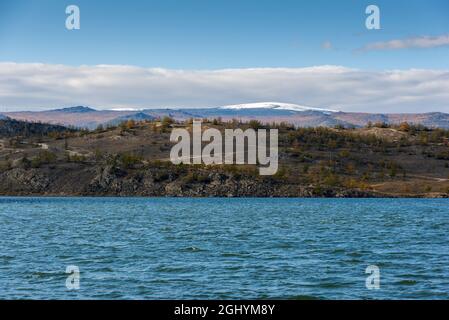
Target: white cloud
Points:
(43, 86)
(417, 42)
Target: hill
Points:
(138, 116)
(132, 159)
(15, 128)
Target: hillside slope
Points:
(133, 160)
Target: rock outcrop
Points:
(111, 181)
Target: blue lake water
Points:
(165, 248)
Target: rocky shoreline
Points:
(75, 180)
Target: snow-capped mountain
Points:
(275, 106)
(126, 109)
(266, 112)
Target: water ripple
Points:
(162, 248)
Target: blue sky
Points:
(214, 34)
(200, 53)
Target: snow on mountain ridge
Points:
(275, 105)
(126, 109)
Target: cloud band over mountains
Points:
(26, 86)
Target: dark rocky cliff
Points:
(109, 181)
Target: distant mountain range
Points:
(266, 112)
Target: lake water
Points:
(162, 248)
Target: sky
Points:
(199, 53)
